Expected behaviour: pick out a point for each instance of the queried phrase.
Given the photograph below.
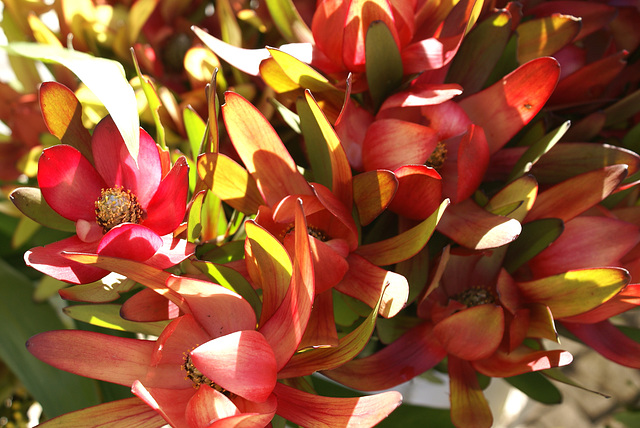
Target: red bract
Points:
(120, 208)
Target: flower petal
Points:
(314, 411)
(118, 168)
(172, 252)
(169, 403)
(609, 341)
(419, 191)
(469, 407)
(148, 306)
(372, 193)
(129, 241)
(415, 352)
(521, 360)
(240, 362)
(473, 333)
(166, 209)
(69, 183)
(208, 405)
(49, 260)
(95, 355)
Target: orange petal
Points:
(469, 407)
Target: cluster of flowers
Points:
(430, 207)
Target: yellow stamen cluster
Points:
(116, 206)
(198, 379)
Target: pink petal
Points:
(253, 414)
(98, 356)
(69, 183)
(313, 410)
(609, 341)
(118, 168)
(166, 209)
(171, 404)
(391, 143)
(522, 360)
(241, 362)
(125, 412)
(447, 119)
(469, 407)
(129, 241)
(49, 260)
(208, 405)
(172, 252)
(413, 353)
(148, 306)
(473, 333)
(422, 95)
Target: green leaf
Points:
(195, 128)
(383, 62)
(537, 387)
(557, 375)
(30, 202)
(25, 231)
(194, 220)
(535, 237)
(288, 21)
(108, 316)
(536, 151)
(21, 318)
(153, 100)
(290, 118)
(104, 77)
(629, 418)
(408, 415)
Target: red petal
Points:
(166, 209)
(69, 183)
(95, 355)
(171, 404)
(423, 95)
(469, 407)
(609, 341)
(522, 360)
(49, 260)
(505, 107)
(129, 241)
(321, 329)
(413, 353)
(208, 405)
(472, 333)
(312, 410)
(419, 192)
(172, 252)
(466, 163)
(328, 27)
(240, 362)
(116, 166)
(392, 143)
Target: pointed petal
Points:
(406, 244)
(49, 260)
(521, 360)
(473, 333)
(116, 166)
(372, 193)
(472, 226)
(576, 291)
(419, 191)
(469, 407)
(129, 241)
(262, 151)
(230, 182)
(423, 95)
(392, 143)
(575, 249)
(99, 356)
(166, 209)
(506, 106)
(609, 341)
(367, 282)
(314, 411)
(413, 353)
(577, 194)
(126, 412)
(285, 328)
(69, 183)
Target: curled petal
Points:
(208, 405)
(130, 241)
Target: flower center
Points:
(311, 230)
(198, 379)
(116, 206)
(475, 296)
(438, 156)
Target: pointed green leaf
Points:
(535, 152)
(105, 78)
(30, 202)
(576, 291)
(288, 21)
(195, 128)
(108, 316)
(535, 237)
(153, 100)
(404, 245)
(194, 219)
(557, 375)
(383, 62)
(536, 387)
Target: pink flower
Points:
(120, 209)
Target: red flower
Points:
(120, 208)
